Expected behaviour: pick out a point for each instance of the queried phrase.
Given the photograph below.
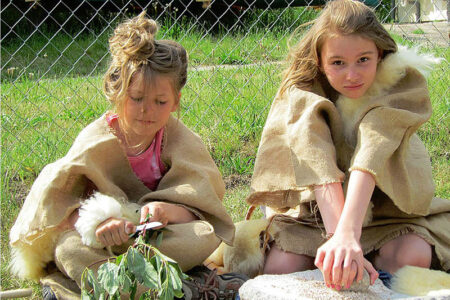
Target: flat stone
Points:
(310, 285)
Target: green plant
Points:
(143, 264)
(418, 31)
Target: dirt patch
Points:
(234, 180)
(429, 34)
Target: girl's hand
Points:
(114, 231)
(158, 212)
(373, 274)
(166, 213)
(340, 259)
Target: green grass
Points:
(226, 106)
(418, 31)
(45, 54)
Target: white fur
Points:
(417, 281)
(93, 211)
(28, 262)
(245, 256)
(393, 68)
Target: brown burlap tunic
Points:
(96, 158)
(316, 137)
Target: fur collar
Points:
(389, 72)
(393, 67)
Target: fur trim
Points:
(417, 281)
(93, 211)
(131, 212)
(245, 256)
(98, 208)
(393, 68)
(29, 262)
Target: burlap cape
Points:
(97, 158)
(316, 137)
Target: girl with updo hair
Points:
(136, 163)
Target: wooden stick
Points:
(15, 293)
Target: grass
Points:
(43, 108)
(418, 31)
(45, 54)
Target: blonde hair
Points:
(134, 50)
(342, 17)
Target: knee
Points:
(277, 268)
(280, 262)
(414, 257)
(409, 250)
(67, 244)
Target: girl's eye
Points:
(161, 102)
(136, 99)
(363, 59)
(337, 62)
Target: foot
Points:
(206, 284)
(47, 293)
(385, 277)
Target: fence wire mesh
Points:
(54, 53)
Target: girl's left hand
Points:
(166, 213)
(335, 259)
(158, 212)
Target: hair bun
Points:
(134, 39)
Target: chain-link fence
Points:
(53, 55)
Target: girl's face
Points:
(147, 110)
(350, 64)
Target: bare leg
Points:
(282, 262)
(408, 249)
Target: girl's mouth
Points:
(146, 122)
(354, 86)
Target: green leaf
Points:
(166, 294)
(98, 290)
(107, 277)
(145, 273)
(133, 290)
(178, 294)
(119, 259)
(159, 236)
(166, 258)
(86, 296)
(174, 276)
(125, 283)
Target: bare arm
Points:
(360, 190)
(336, 257)
(330, 199)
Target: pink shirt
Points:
(147, 166)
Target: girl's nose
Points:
(146, 106)
(352, 74)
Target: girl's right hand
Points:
(341, 261)
(114, 231)
(335, 259)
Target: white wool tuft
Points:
(245, 256)
(393, 67)
(29, 262)
(417, 281)
(93, 211)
